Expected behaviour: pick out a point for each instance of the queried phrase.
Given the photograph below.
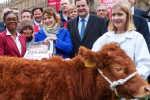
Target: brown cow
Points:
(58, 79)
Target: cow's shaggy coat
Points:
(58, 79)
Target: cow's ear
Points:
(88, 56)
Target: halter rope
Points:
(116, 83)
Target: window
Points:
(33, 2)
(25, 4)
(19, 8)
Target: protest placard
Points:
(38, 50)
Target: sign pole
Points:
(57, 9)
(56, 6)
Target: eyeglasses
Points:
(10, 20)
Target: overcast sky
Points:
(1, 1)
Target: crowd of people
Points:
(76, 26)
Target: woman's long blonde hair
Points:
(125, 6)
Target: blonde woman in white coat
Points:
(122, 30)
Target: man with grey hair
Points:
(102, 11)
(64, 11)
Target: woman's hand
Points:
(46, 41)
(67, 59)
(50, 55)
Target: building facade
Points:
(141, 5)
(29, 4)
(22, 4)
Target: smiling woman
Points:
(52, 31)
(11, 42)
(26, 27)
(122, 30)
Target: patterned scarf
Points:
(52, 32)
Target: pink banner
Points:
(109, 4)
(54, 3)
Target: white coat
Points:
(135, 47)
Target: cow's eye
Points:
(118, 68)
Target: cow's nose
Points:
(147, 90)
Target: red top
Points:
(8, 46)
(65, 23)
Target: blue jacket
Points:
(63, 44)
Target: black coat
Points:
(138, 12)
(2, 27)
(95, 28)
(146, 15)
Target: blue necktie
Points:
(40, 26)
(82, 29)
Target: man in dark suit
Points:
(142, 27)
(2, 25)
(86, 28)
(138, 12)
(140, 23)
(135, 11)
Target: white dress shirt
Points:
(36, 23)
(65, 17)
(135, 47)
(17, 41)
(132, 9)
(80, 22)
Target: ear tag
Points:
(87, 64)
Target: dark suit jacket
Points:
(2, 25)
(95, 28)
(141, 27)
(138, 12)
(8, 46)
(145, 15)
(1, 29)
